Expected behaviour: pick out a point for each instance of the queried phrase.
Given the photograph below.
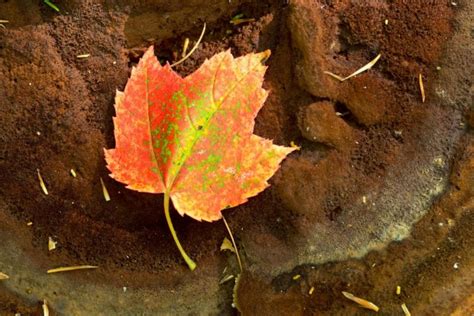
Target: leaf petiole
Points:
(189, 261)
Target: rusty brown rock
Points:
(324, 41)
(253, 297)
(315, 38)
(319, 122)
(470, 118)
(324, 206)
(313, 189)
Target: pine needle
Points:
(362, 302)
(237, 16)
(233, 243)
(72, 268)
(227, 278)
(185, 47)
(45, 308)
(405, 310)
(42, 185)
(51, 5)
(358, 71)
(193, 49)
(4, 21)
(240, 21)
(73, 173)
(83, 56)
(3, 276)
(104, 191)
(422, 88)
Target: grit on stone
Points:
(379, 196)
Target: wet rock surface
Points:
(379, 195)
(321, 123)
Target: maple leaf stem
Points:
(191, 264)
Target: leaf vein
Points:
(149, 129)
(223, 99)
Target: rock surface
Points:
(379, 195)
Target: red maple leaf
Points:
(192, 138)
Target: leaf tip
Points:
(149, 52)
(148, 59)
